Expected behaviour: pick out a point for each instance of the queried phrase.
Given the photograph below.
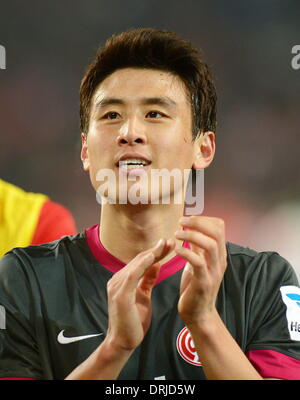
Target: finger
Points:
(171, 243)
(150, 277)
(186, 278)
(136, 268)
(201, 241)
(162, 250)
(197, 262)
(213, 227)
(169, 246)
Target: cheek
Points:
(179, 144)
(99, 148)
(97, 160)
(182, 131)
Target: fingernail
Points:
(170, 242)
(159, 242)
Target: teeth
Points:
(132, 166)
(132, 163)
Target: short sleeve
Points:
(274, 322)
(19, 356)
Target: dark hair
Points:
(154, 49)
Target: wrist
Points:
(205, 324)
(109, 351)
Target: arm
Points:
(220, 355)
(129, 311)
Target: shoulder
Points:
(264, 266)
(52, 254)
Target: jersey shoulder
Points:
(38, 258)
(264, 265)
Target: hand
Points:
(205, 268)
(129, 297)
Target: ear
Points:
(84, 154)
(204, 150)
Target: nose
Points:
(131, 132)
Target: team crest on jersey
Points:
(291, 297)
(186, 348)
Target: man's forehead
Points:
(141, 85)
(165, 101)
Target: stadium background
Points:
(254, 181)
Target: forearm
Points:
(105, 363)
(129, 309)
(220, 355)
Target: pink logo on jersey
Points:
(186, 348)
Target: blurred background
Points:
(254, 181)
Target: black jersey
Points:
(54, 312)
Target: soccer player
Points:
(149, 292)
(30, 218)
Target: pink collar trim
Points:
(113, 264)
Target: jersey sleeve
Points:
(274, 342)
(19, 355)
(54, 222)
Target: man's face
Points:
(139, 111)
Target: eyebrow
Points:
(163, 101)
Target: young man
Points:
(148, 293)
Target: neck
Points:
(126, 231)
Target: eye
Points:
(111, 115)
(155, 114)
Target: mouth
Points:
(136, 166)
